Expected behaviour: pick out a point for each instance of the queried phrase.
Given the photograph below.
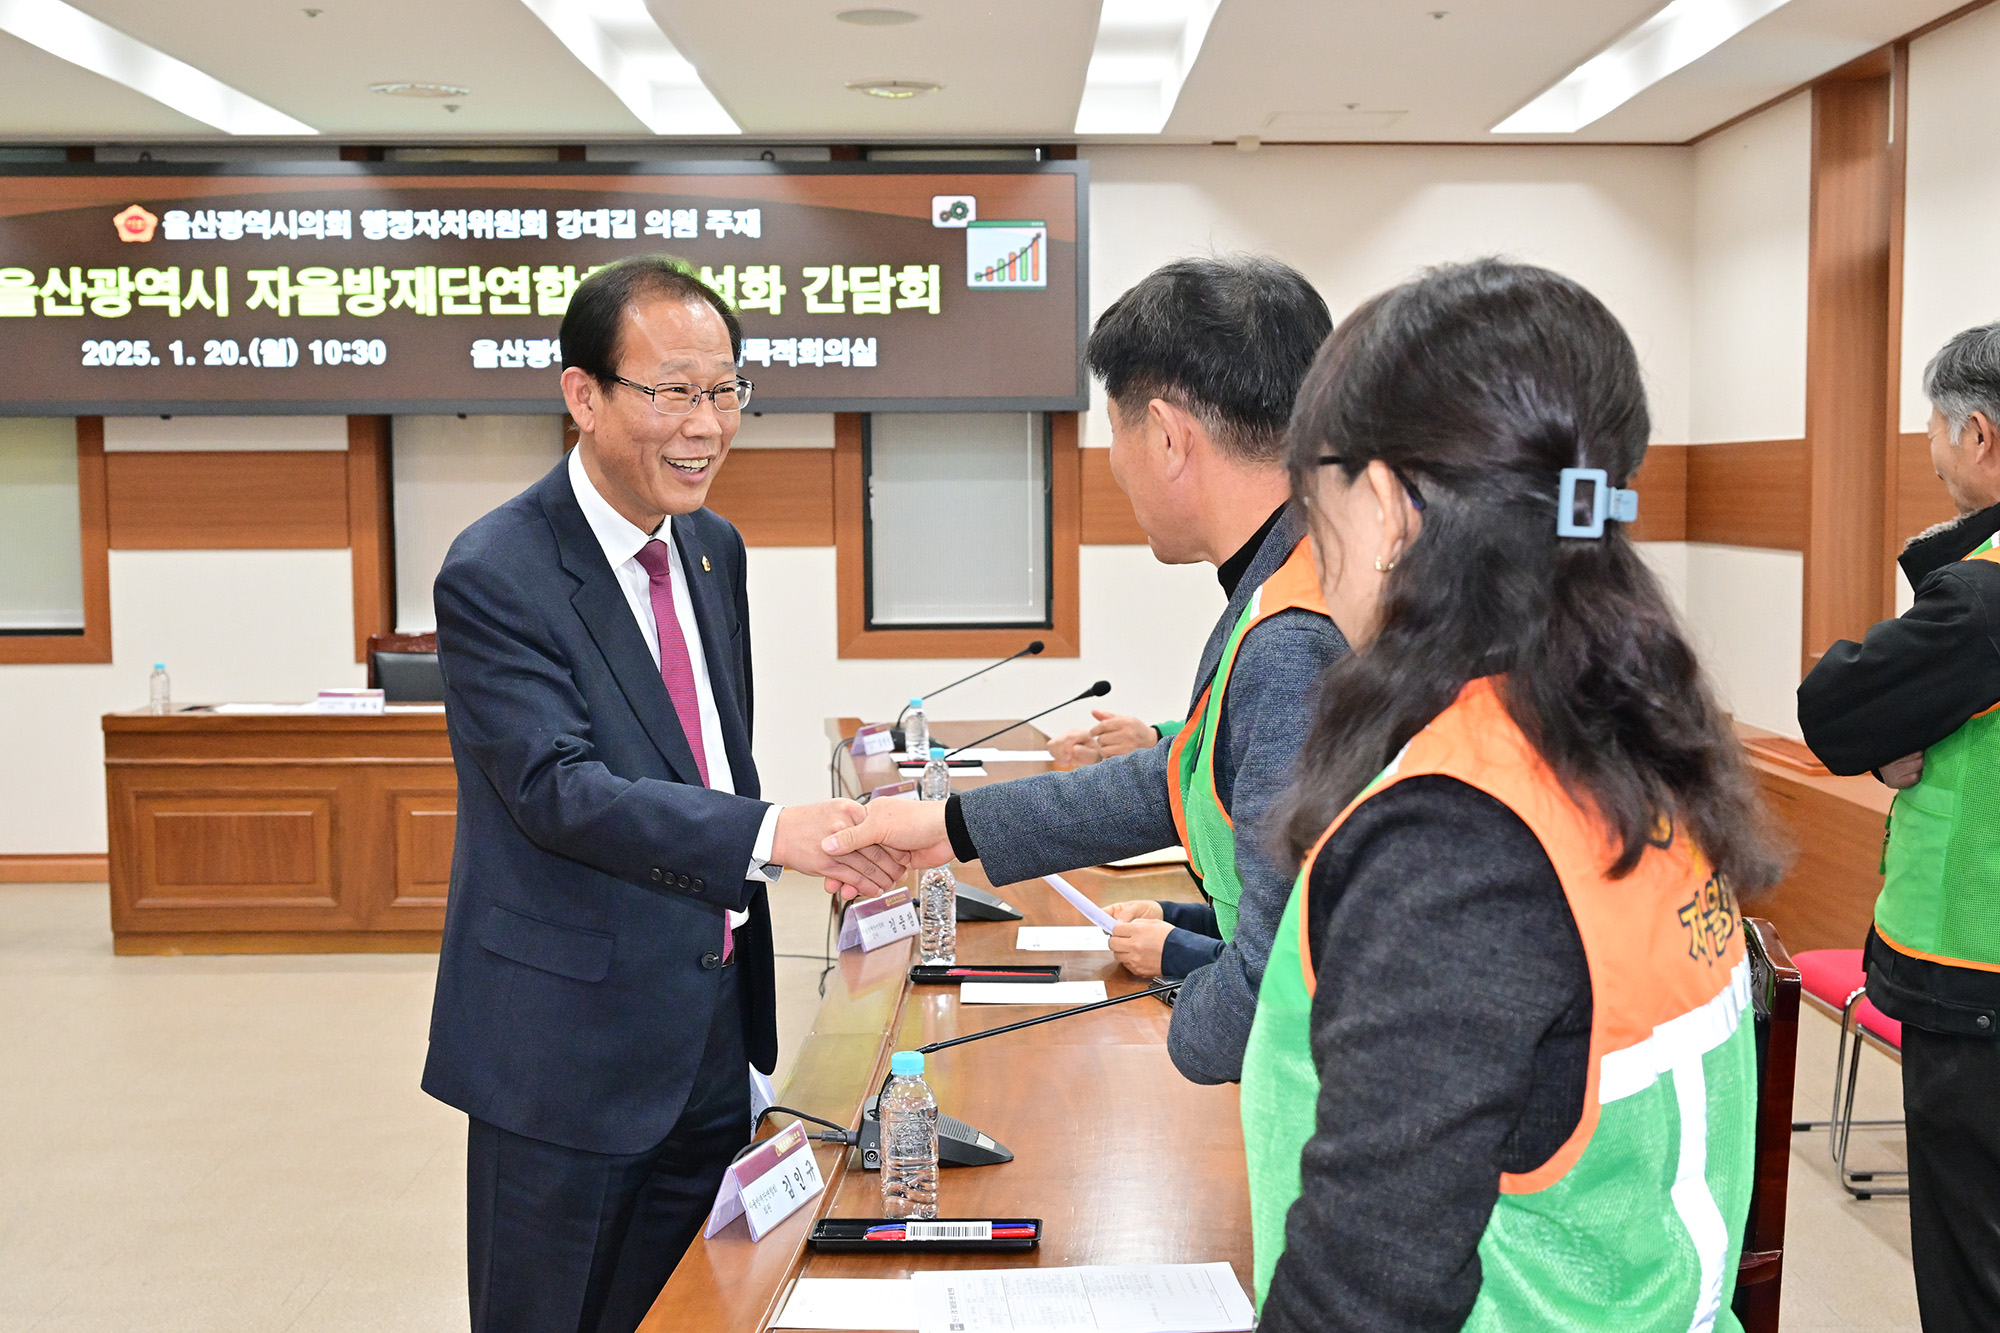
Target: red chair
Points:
(1836, 980)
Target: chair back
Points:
(1774, 992)
(405, 668)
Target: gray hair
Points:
(1964, 377)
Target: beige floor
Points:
(224, 1144)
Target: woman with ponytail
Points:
(1502, 1072)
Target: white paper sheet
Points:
(1092, 913)
(1023, 992)
(263, 709)
(1061, 939)
(988, 755)
(851, 1303)
(1151, 1298)
(1166, 856)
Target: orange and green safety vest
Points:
(1941, 851)
(1204, 823)
(1636, 1222)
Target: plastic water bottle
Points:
(937, 915)
(937, 890)
(909, 1118)
(160, 694)
(935, 784)
(916, 730)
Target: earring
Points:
(1381, 568)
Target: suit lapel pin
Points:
(704, 565)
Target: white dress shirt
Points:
(622, 543)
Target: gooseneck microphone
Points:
(1030, 651)
(959, 1144)
(1097, 691)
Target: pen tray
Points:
(847, 1235)
(941, 974)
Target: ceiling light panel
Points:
(1142, 56)
(70, 34)
(782, 68)
(1677, 36)
(618, 41)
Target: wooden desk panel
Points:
(1835, 828)
(278, 833)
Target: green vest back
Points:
(1204, 824)
(1636, 1223)
(1941, 858)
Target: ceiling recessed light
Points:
(895, 90)
(420, 89)
(876, 18)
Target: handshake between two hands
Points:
(861, 850)
(864, 848)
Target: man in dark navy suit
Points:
(606, 977)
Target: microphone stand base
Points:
(976, 904)
(959, 1144)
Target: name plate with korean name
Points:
(769, 1185)
(872, 739)
(874, 922)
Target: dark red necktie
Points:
(676, 667)
(677, 670)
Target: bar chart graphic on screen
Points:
(1000, 255)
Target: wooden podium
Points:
(278, 832)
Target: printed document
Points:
(1156, 1298)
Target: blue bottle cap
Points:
(937, 752)
(159, 666)
(904, 1063)
(916, 703)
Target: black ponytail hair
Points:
(1478, 383)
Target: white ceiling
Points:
(1338, 70)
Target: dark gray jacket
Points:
(1059, 821)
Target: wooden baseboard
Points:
(38, 869)
(180, 943)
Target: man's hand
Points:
(1141, 910)
(911, 830)
(802, 829)
(1116, 734)
(1904, 772)
(1074, 749)
(1136, 944)
(1113, 734)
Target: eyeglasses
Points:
(1416, 496)
(677, 400)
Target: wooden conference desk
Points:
(278, 833)
(1834, 825)
(1125, 1161)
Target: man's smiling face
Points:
(645, 464)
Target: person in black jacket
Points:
(1911, 703)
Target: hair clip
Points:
(1587, 498)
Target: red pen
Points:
(988, 972)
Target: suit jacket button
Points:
(710, 961)
(698, 886)
(658, 874)
(683, 881)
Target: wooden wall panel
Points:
(227, 501)
(422, 827)
(1662, 481)
(1850, 328)
(777, 497)
(94, 644)
(1107, 515)
(1747, 493)
(1920, 497)
(371, 529)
